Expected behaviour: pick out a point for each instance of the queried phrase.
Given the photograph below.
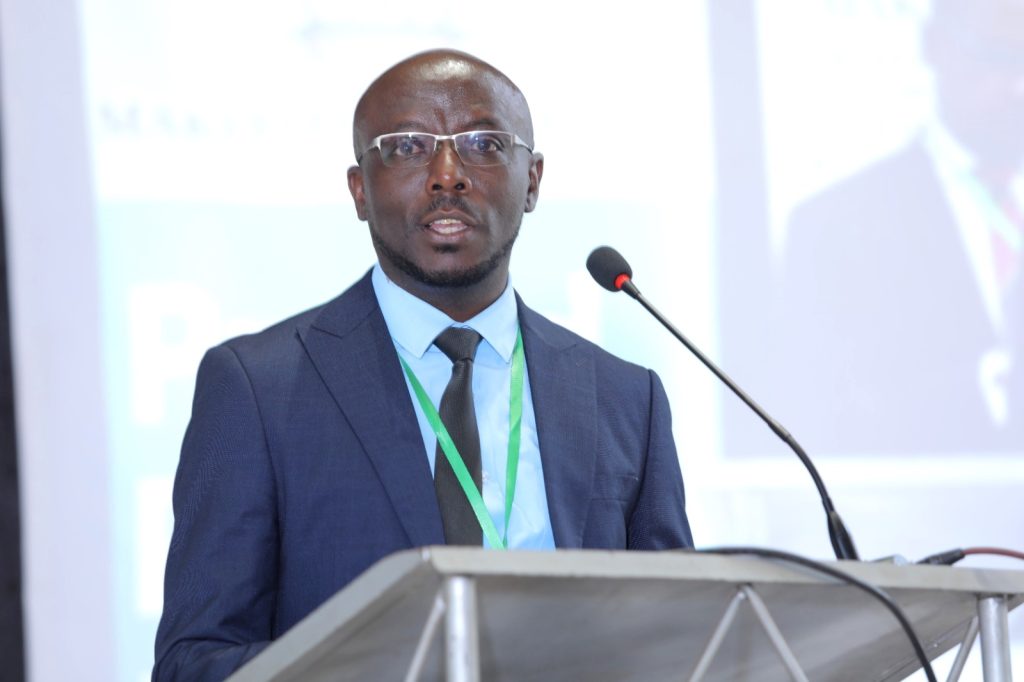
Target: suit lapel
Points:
(565, 404)
(351, 348)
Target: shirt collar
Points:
(414, 323)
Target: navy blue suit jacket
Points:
(303, 465)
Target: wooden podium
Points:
(467, 615)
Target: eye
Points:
(405, 146)
(485, 143)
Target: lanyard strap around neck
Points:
(451, 453)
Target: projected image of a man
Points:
(901, 296)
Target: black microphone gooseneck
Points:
(611, 271)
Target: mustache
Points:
(450, 202)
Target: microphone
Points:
(611, 271)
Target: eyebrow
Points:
(408, 126)
(482, 123)
(411, 126)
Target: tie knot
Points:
(458, 343)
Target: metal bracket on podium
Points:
(991, 622)
(995, 639)
(746, 593)
(456, 601)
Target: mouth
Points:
(447, 227)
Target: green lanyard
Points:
(515, 423)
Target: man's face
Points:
(445, 224)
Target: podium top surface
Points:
(691, 565)
(631, 615)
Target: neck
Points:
(458, 303)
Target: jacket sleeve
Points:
(221, 578)
(659, 516)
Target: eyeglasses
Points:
(475, 148)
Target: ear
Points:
(536, 172)
(355, 186)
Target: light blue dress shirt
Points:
(414, 324)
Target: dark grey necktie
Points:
(459, 416)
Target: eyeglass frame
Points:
(438, 139)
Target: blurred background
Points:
(825, 195)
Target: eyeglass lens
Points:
(475, 148)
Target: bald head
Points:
(455, 78)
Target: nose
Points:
(447, 172)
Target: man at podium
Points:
(425, 405)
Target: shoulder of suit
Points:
(347, 309)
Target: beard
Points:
(444, 279)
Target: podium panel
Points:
(625, 616)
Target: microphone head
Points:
(607, 267)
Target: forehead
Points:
(440, 99)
